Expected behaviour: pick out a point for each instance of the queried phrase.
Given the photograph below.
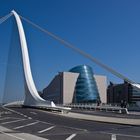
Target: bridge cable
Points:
(2, 20)
(5, 18)
(69, 45)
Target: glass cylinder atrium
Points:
(86, 88)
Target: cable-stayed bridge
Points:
(32, 97)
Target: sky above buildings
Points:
(109, 30)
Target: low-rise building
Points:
(123, 92)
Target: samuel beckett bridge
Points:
(32, 97)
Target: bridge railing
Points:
(96, 107)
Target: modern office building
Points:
(79, 85)
(123, 92)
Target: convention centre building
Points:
(78, 85)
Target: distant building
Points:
(79, 85)
(125, 91)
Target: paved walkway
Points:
(119, 120)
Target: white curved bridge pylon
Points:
(32, 97)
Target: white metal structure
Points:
(32, 97)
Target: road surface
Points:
(33, 124)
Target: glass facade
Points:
(86, 88)
(134, 94)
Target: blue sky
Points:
(109, 30)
